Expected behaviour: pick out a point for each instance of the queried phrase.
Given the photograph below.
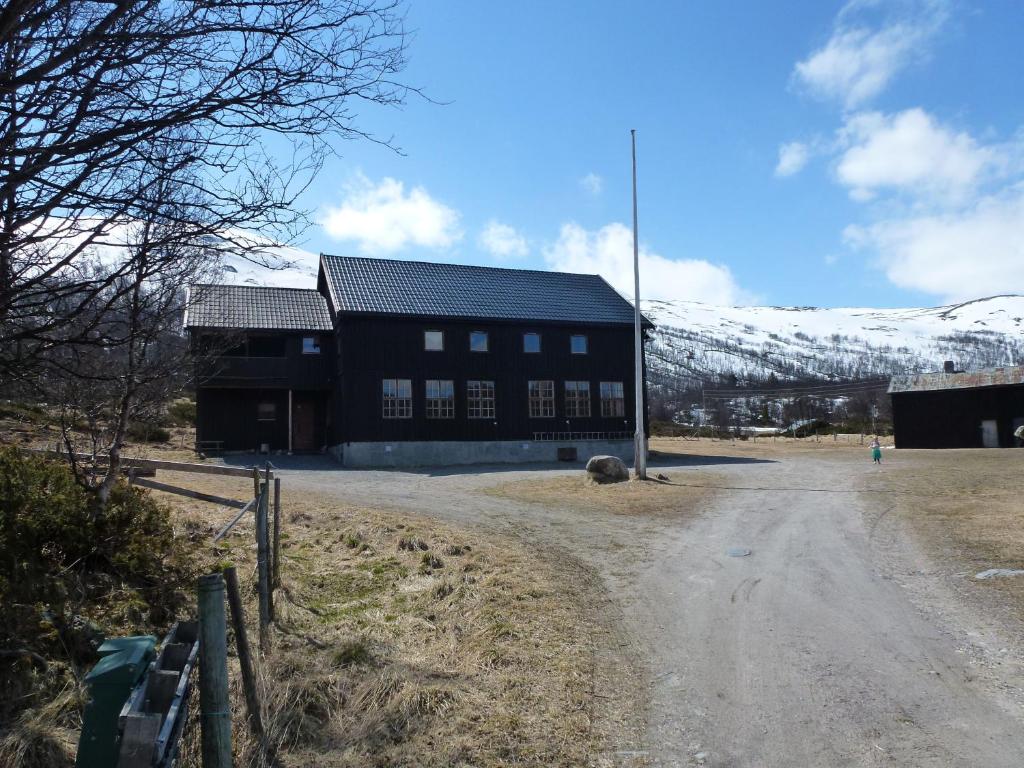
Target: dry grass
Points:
(964, 506)
(652, 497)
(471, 652)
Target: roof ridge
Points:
(254, 287)
(467, 266)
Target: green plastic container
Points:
(123, 663)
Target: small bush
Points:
(70, 571)
(182, 413)
(144, 432)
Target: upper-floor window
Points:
(578, 344)
(542, 399)
(266, 411)
(397, 398)
(440, 399)
(531, 342)
(577, 398)
(433, 341)
(267, 346)
(478, 341)
(613, 403)
(311, 345)
(480, 399)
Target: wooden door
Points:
(304, 425)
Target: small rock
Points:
(995, 573)
(663, 478)
(607, 469)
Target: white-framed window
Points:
(577, 398)
(531, 343)
(433, 341)
(479, 341)
(542, 399)
(578, 344)
(440, 399)
(397, 398)
(613, 402)
(480, 399)
(311, 345)
(266, 411)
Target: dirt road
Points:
(825, 646)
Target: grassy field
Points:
(403, 642)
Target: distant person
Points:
(876, 450)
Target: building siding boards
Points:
(952, 418)
(375, 349)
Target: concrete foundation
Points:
(448, 453)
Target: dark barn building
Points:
(402, 363)
(973, 409)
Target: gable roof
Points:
(424, 289)
(932, 382)
(256, 308)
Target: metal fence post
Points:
(214, 704)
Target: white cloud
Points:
(792, 158)
(910, 150)
(382, 218)
(503, 241)
(863, 55)
(609, 252)
(592, 184)
(976, 251)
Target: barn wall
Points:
(952, 418)
(371, 349)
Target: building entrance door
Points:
(990, 433)
(304, 425)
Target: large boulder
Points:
(607, 469)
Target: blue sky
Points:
(827, 153)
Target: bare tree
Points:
(246, 96)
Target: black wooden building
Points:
(965, 409)
(401, 362)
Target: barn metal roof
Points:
(423, 289)
(257, 308)
(932, 382)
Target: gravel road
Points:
(822, 647)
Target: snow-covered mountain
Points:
(701, 342)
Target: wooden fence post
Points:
(252, 700)
(214, 705)
(255, 482)
(262, 566)
(277, 533)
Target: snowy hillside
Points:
(705, 342)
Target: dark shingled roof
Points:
(932, 382)
(256, 308)
(422, 289)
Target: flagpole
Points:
(639, 441)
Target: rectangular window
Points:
(397, 399)
(266, 412)
(267, 346)
(433, 341)
(480, 399)
(577, 398)
(542, 399)
(613, 403)
(531, 342)
(440, 399)
(311, 345)
(478, 341)
(578, 344)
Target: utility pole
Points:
(639, 442)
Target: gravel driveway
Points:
(814, 650)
